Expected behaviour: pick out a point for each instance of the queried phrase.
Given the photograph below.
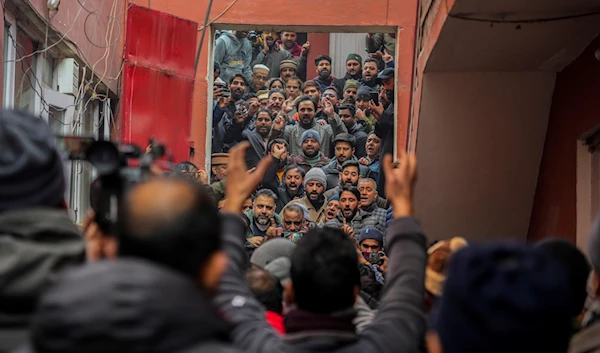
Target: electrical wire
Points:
(96, 45)
(202, 36)
(206, 24)
(531, 20)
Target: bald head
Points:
(173, 222)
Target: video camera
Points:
(115, 176)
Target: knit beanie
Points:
(351, 84)
(315, 174)
(311, 134)
(354, 57)
(504, 298)
(335, 197)
(438, 261)
(363, 93)
(271, 250)
(31, 169)
(288, 64)
(371, 233)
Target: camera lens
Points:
(104, 156)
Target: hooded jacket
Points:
(129, 306)
(398, 325)
(35, 245)
(332, 171)
(234, 56)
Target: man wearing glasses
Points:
(260, 75)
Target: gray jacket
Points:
(35, 245)
(398, 326)
(234, 56)
(293, 134)
(362, 220)
(274, 57)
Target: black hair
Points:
(277, 90)
(265, 111)
(349, 107)
(240, 76)
(305, 99)
(352, 189)
(267, 193)
(295, 78)
(266, 288)
(249, 95)
(576, 265)
(216, 67)
(173, 242)
(350, 163)
(368, 283)
(183, 167)
(373, 60)
(275, 79)
(292, 167)
(321, 58)
(276, 141)
(345, 137)
(324, 271)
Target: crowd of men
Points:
(271, 256)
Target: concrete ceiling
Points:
(465, 45)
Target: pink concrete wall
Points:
(574, 112)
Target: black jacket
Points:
(35, 245)
(129, 306)
(384, 128)
(271, 182)
(333, 173)
(241, 132)
(399, 324)
(360, 136)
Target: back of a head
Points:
(266, 289)
(172, 222)
(324, 271)
(504, 298)
(31, 170)
(576, 265)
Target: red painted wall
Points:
(575, 110)
(279, 13)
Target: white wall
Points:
(480, 142)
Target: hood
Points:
(35, 245)
(228, 34)
(125, 305)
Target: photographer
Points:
(37, 237)
(370, 243)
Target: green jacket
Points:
(250, 216)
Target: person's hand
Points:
(377, 110)
(254, 107)
(305, 49)
(224, 102)
(384, 258)
(377, 55)
(256, 241)
(265, 45)
(276, 46)
(321, 122)
(361, 258)
(240, 117)
(360, 114)
(400, 179)
(98, 245)
(279, 150)
(274, 231)
(347, 229)
(279, 123)
(364, 161)
(217, 92)
(203, 177)
(287, 106)
(240, 183)
(386, 57)
(328, 108)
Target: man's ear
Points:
(211, 272)
(288, 294)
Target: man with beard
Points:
(276, 99)
(307, 108)
(324, 78)
(290, 189)
(258, 137)
(314, 201)
(384, 114)
(363, 111)
(372, 158)
(370, 71)
(350, 177)
(288, 69)
(237, 111)
(351, 219)
(350, 90)
(311, 156)
(260, 75)
(233, 52)
(292, 87)
(347, 113)
(288, 41)
(293, 219)
(262, 219)
(353, 67)
(272, 54)
(332, 209)
(344, 151)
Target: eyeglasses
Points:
(261, 77)
(330, 95)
